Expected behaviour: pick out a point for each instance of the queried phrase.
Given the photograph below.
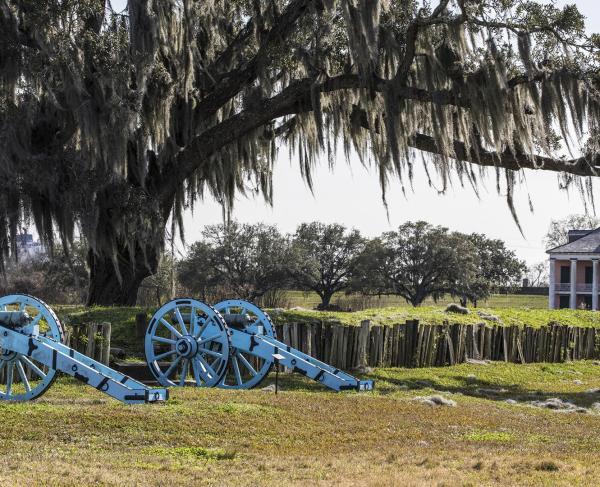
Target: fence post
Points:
(363, 343)
(106, 332)
(91, 339)
(141, 323)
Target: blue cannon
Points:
(232, 345)
(32, 352)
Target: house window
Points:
(564, 302)
(587, 300)
(589, 275)
(565, 274)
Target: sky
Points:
(350, 194)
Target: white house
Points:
(573, 279)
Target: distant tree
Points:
(57, 278)
(67, 272)
(416, 262)
(248, 260)
(322, 258)
(197, 272)
(496, 266)
(537, 274)
(558, 230)
(157, 288)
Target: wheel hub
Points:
(186, 346)
(8, 356)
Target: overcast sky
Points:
(350, 194)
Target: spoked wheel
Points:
(245, 370)
(187, 343)
(22, 378)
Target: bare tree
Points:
(537, 274)
(558, 232)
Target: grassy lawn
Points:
(311, 300)
(308, 436)
(434, 315)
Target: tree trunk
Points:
(106, 288)
(325, 300)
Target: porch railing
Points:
(566, 287)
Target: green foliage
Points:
(492, 436)
(123, 330)
(197, 272)
(119, 121)
(417, 261)
(322, 258)
(420, 261)
(234, 259)
(436, 315)
(496, 266)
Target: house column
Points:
(595, 284)
(573, 300)
(551, 285)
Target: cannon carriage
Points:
(232, 345)
(236, 348)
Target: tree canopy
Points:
(322, 258)
(245, 260)
(416, 262)
(420, 260)
(496, 266)
(113, 122)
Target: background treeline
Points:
(416, 262)
(259, 263)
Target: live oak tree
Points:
(113, 122)
(197, 272)
(415, 262)
(495, 267)
(246, 260)
(322, 258)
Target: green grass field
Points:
(311, 300)
(435, 315)
(305, 435)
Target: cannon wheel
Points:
(187, 343)
(245, 370)
(22, 377)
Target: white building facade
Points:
(574, 272)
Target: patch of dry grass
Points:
(308, 436)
